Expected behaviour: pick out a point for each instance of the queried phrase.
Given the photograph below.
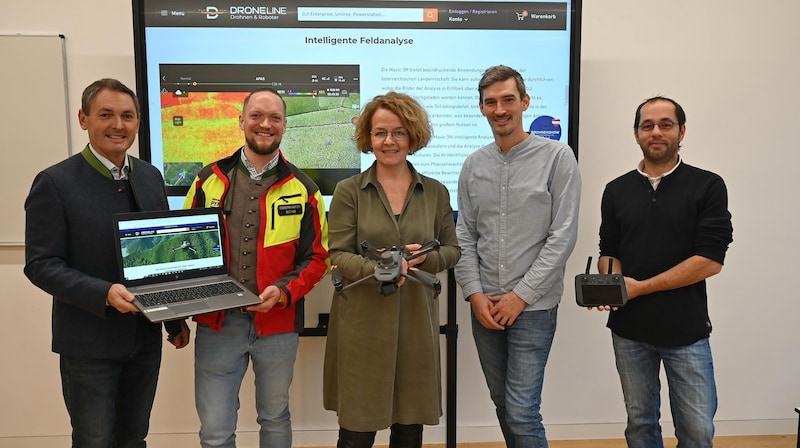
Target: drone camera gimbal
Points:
(389, 270)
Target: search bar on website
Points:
(340, 14)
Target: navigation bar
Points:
(360, 14)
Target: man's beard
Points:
(667, 155)
(263, 150)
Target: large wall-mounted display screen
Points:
(196, 62)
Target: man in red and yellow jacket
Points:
(277, 238)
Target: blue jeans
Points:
(109, 400)
(513, 362)
(221, 360)
(692, 392)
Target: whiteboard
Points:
(35, 121)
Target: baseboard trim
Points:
(436, 434)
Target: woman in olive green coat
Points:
(382, 365)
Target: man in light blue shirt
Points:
(518, 200)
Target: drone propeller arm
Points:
(371, 251)
(357, 282)
(430, 246)
(424, 278)
(338, 281)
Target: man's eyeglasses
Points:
(664, 126)
(397, 135)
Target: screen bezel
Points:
(140, 51)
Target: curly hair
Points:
(411, 113)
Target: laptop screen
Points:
(155, 247)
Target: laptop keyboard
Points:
(186, 294)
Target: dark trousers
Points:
(109, 400)
(401, 436)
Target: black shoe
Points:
(355, 439)
(405, 436)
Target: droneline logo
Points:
(212, 12)
(246, 12)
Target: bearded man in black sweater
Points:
(667, 228)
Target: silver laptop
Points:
(175, 263)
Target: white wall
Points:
(733, 66)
